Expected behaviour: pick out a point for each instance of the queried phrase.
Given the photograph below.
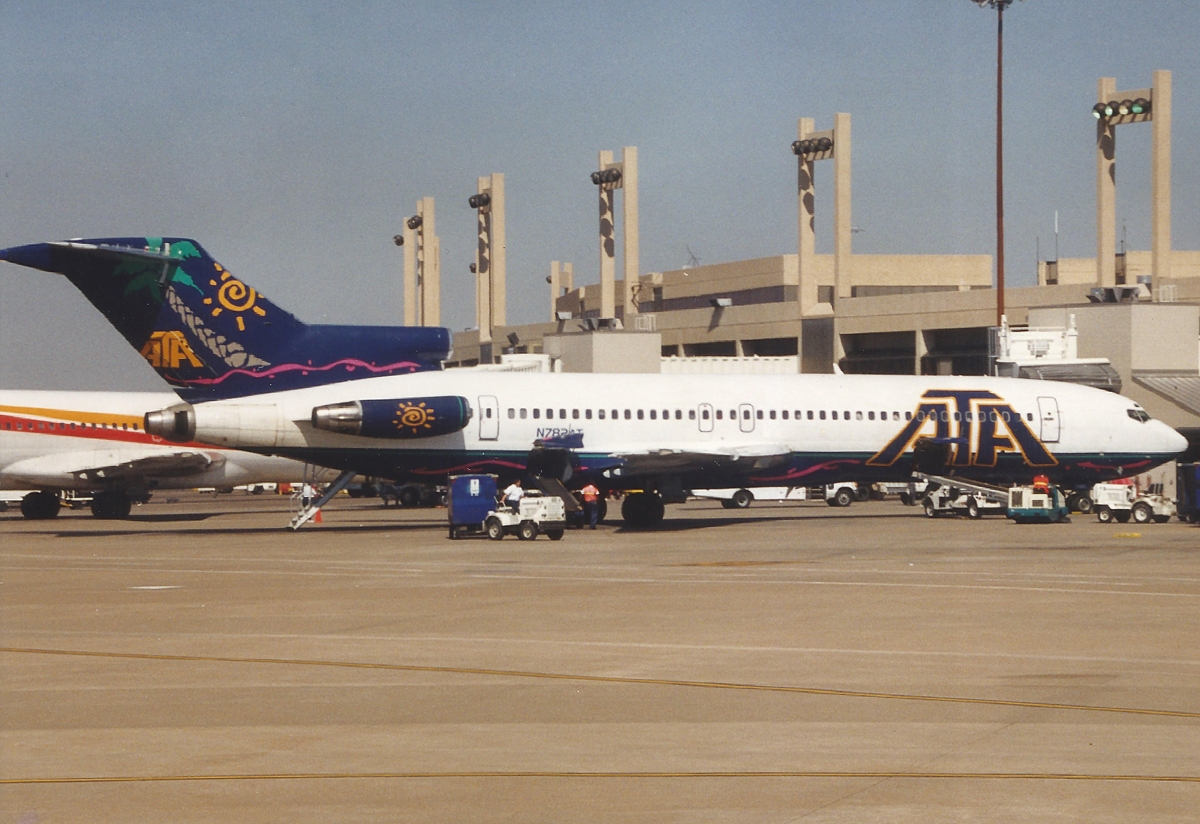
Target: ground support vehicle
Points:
(1122, 502)
(1187, 492)
(839, 494)
(537, 513)
(734, 498)
(954, 496)
(472, 510)
(1037, 504)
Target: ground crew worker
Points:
(513, 495)
(591, 504)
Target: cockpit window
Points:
(1138, 414)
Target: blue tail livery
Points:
(209, 334)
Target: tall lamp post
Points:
(999, 6)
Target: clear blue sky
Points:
(292, 139)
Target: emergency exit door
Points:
(1048, 412)
(489, 418)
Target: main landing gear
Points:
(40, 506)
(642, 510)
(111, 506)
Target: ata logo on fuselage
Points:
(977, 426)
(166, 350)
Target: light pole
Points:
(999, 6)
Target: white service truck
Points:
(1123, 502)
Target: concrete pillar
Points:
(608, 244)
(429, 279)
(411, 305)
(629, 229)
(499, 253)
(806, 210)
(921, 348)
(555, 289)
(1106, 189)
(841, 206)
(1160, 171)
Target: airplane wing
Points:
(108, 465)
(730, 457)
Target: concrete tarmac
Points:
(783, 663)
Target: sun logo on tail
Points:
(414, 416)
(234, 296)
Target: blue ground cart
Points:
(470, 500)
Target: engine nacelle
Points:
(402, 418)
(224, 424)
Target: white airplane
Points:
(659, 435)
(246, 384)
(96, 442)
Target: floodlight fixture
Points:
(720, 303)
(513, 339)
(606, 176)
(398, 240)
(480, 201)
(415, 222)
(563, 315)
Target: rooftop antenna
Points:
(692, 259)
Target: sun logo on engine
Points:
(234, 296)
(414, 416)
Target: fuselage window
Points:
(549, 414)
(733, 414)
(1139, 415)
(653, 414)
(870, 416)
(822, 413)
(487, 413)
(834, 413)
(679, 414)
(574, 414)
(666, 414)
(512, 413)
(1029, 416)
(537, 413)
(858, 416)
(759, 415)
(616, 414)
(692, 414)
(641, 416)
(809, 415)
(720, 414)
(628, 414)
(600, 414)
(562, 414)
(587, 414)
(772, 416)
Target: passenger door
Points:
(1048, 412)
(489, 418)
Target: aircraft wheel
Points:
(554, 534)
(527, 531)
(973, 511)
(495, 529)
(930, 509)
(742, 499)
(844, 497)
(40, 506)
(1104, 515)
(642, 510)
(1142, 513)
(906, 498)
(111, 506)
(409, 496)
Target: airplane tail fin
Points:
(209, 334)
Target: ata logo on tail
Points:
(166, 350)
(977, 426)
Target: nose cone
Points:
(1174, 442)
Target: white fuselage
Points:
(993, 425)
